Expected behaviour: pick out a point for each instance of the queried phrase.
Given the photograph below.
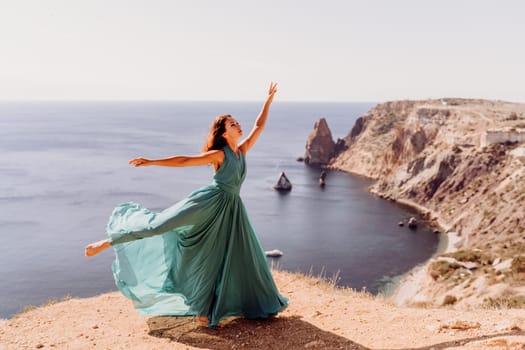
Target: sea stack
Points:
(320, 147)
(283, 183)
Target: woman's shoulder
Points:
(218, 154)
(213, 156)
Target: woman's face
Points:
(233, 129)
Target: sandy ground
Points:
(319, 317)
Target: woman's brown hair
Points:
(215, 139)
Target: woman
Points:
(201, 256)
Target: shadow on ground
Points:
(275, 333)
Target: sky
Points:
(374, 51)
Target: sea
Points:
(64, 166)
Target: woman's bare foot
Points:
(203, 321)
(227, 320)
(95, 248)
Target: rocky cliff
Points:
(434, 155)
(320, 146)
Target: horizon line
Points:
(102, 100)
(176, 100)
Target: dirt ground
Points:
(319, 317)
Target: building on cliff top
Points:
(503, 135)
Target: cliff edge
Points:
(319, 317)
(462, 163)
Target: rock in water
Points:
(274, 253)
(412, 223)
(322, 179)
(283, 184)
(320, 146)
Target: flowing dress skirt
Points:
(199, 257)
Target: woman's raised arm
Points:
(260, 122)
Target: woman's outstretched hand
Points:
(97, 247)
(140, 162)
(271, 91)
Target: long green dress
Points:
(199, 257)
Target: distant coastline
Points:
(437, 152)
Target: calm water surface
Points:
(64, 167)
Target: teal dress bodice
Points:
(230, 176)
(200, 256)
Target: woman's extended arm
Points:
(215, 157)
(260, 122)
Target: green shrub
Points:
(514, 302)
(443, 269)
(471, 255)
(518, 264)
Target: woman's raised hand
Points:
(271, 91)
(140, 162)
